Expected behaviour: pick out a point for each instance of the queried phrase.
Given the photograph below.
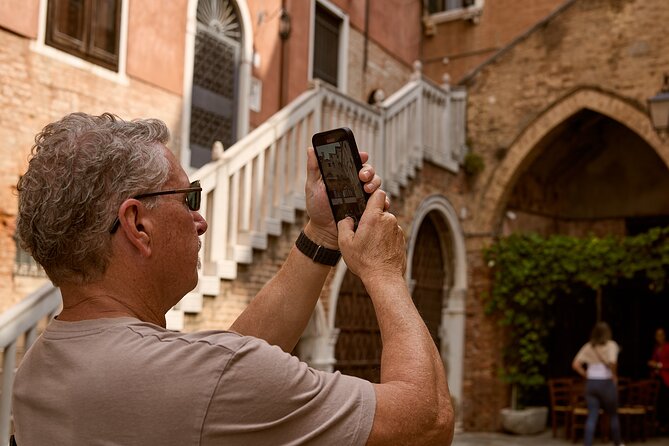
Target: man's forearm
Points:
(281, 310)
(408, 348)
(412, 372)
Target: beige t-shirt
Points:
(597, 358)
(125, 382)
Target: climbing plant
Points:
(529, 272)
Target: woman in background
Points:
(597, 361)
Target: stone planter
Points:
(528, 421)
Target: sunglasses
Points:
(193, 199)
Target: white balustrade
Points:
(258, 183)
(21, 322)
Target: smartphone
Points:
(339, 162)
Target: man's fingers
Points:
(364, 156)
(345, 229)
(377, 200)
(313, 172)
(373, 184)
(366, 173)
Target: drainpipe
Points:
(284, 34)
(365, 49)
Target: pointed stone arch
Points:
(524, 150)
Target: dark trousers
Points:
(601, 393)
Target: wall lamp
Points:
(659, 106)
(284, 24)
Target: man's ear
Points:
(136, 225)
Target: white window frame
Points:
(342, 70)
(467, 13)
(39, 46)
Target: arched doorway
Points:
(437, 277)
(217, 78)
(592, 174)
(358, 346)
(432, 276)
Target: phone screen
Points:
(340, 163)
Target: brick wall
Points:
(466, 44)
(605, 55)
(615, 46)
(383, 70)
(35, 90)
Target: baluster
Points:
(302, 163)
(274, 224)
(281, 176)
(234, 209)
(259, 194)
(316, 122)
(326, 114)
(246, 195)
(8, 366)
(220, 248)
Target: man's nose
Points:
(200, 222)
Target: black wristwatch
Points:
(317, 253)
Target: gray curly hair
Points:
(81, 169)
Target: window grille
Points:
(215, 73)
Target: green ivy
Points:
(530, 271)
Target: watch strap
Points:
(317, 253)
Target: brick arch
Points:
(522, 151)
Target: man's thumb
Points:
(345, 229)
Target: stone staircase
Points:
(258, 183)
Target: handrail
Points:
(258, 183)
(21, 320)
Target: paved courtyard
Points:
(545, 439)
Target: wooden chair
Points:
(579, 414)
(559, 390)
(579, 410)
(635, 411)
(652, 395)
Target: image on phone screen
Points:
(340, 175)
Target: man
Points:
(108, 212)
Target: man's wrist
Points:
(321, 236)
(376, 280)
(317, 253)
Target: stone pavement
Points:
(544, 439)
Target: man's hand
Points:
(376, 251)
(322, 228)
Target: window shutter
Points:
(326, 45)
